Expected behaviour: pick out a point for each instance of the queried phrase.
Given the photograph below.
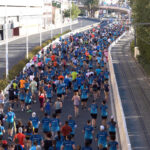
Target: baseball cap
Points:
(101, 127)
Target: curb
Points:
(119, 113)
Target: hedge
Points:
(16, 69)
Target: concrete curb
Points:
(119, 113)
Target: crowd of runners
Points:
(76, 68)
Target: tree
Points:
(75, 11)
(66, 13)
(141, 11)
(92, 6)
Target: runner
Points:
(72, 124)
(68, 144)
(88, 133)
(93, 111)
(102, 138)
(76, 100)
(104, 113)
(10, 119)
(58, 107)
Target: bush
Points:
(3, 84)
(16, 69)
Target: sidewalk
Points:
(44, 30)
(134, 92)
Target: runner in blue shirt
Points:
(35, 120)
(113, 145)
(68, 144)
(112, 127)
(88, 132)
(84, 96)
(46, 124)
(36, 137)
(72, 124)
(102, 138)
(10, 116)
(22, 99)
(49, 93)
(47, 107)
(28, 101)
(93, 112)
(55, 125)
(104, 112)
(59, 140)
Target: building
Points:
(23, 16)
(47, 14)
(30, 16)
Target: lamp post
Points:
(27, 36)
(70, 15)
(61, 18)
(6, 36)
(41, 26)
(51, 21)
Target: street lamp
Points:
(61, 18)
(70, 15)
(6, 36)
(51, 21)
(41, 26)
(27, 36)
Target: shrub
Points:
(3, 84)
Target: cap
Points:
(33, 114)
(101, 127)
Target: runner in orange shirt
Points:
(22, 83)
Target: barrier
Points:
(123, 133)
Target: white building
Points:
(29, 16)
(23, 16)
(47, 14)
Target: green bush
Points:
(16, 69)
(3, 84)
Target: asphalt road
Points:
(67, 106)
(17, 48)
(135, 96)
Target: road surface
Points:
(135, 96)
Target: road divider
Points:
(119, 113)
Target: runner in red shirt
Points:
(20, 136)
(66, 129)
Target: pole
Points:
(27, 45)
(51, 22)
(61, 18)
(27, 37)
(70, 15)
(6, 36)
(41, 27)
